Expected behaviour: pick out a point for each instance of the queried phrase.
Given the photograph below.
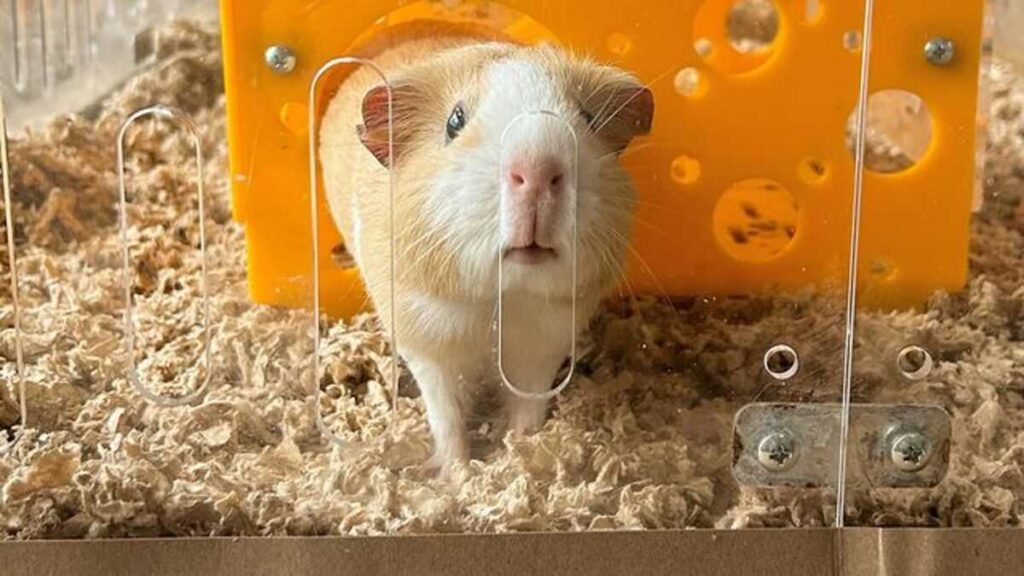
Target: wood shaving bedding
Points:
(640, 441)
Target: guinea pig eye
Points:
(456, 122)
(588, 118)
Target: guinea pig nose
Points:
(545, 175)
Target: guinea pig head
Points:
(504, 151)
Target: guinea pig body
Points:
(468, 190)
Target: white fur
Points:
(466, 197)
(355, 249)
(467, 202)
(449, 343)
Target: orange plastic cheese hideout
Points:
(745, 183)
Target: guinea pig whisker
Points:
(458, 247)
(633, 149)
(604, 108)
(622, 106)
(601, 86)
(405, 270)
(340, 146)
(619, 270)
(628, 206)
(638, 147)
(613, 155)
(653, 228)
(622, 277)
(367, 302)
(662, 294)
(413, 246)
(615, 265)
(437, 242)
(616, 112)
(599, 243)
(408, 248)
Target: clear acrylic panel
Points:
(192, 351)
(333, 143)
(938, 334)
(617, 284)
(710, 305)
(189, 433)
(538, 218)
(1007, 17)
(62, 55)
(15, 408)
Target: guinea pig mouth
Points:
(530, 255)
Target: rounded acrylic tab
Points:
(386, 150)
(199, 373)
(12, 263)
(538, 217)
(935, 269)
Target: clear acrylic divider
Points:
(937, 345)
(720, 378)
(316, 148)
(71, 54)
(786, 221)
(14, 383)
(197, 372)
(215, 397)
(525, 126)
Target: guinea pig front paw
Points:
(527, 416)
(444, 467)
(449, 456)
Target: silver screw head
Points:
(777, 451)
(280, 58)
(910, 451)
(939, 51)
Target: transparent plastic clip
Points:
(5, 174)
(184, 122)
(860, 156)
(549, 116)
(314, 185)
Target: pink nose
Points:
(534, 180)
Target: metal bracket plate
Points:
(891, 446)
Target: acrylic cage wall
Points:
(950, 354)
(690, 411)
(1007, 17)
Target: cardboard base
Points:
(819, 552)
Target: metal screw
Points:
(910, 451)
(939, 51)
(777, 451)
(280, 58)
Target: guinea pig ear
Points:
(629, 114)
(373, 132)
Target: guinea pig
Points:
(464, 196)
